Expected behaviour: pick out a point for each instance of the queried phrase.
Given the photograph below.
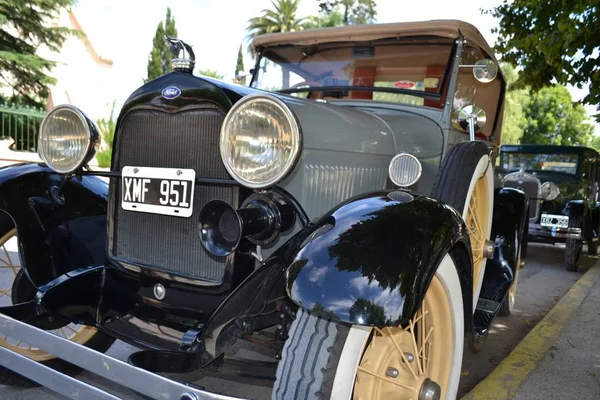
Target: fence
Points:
(22, 125)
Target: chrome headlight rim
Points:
(391, 175)
(549, 184)
(92, 135)
(296, 133)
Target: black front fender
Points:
(510, 220)
(61, 225)
(575, 207)
(370, 260)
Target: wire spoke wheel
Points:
(9, 269)
(402, 362)
(477, 221)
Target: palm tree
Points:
(282, 18)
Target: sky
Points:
(122, 30)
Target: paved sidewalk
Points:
(559, 358)
(571, 368)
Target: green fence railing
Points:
(22, 125)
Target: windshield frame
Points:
(373, 89)
(506, 154)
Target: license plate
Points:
(559, 221)
(167, 191)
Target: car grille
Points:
(187, 139)
(531, 186)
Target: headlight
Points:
(260, 141)
(405, 170)
(67, 139)
(549, 191)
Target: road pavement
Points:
(542, 283)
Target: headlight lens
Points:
(67, 139)
(405, 170)
(260, 141)
(549, 191)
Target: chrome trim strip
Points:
(117, 371)
(46, 376)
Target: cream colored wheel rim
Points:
(398, 360)
(477, 223)
(76, 333)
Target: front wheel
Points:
(323, 359)
(465, 180)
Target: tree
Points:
(553, 40)
(107, 133)
(514, 104)
(210, 73)
(282, 18)
(239, 68)
(24, 26)
(335, 18)
(159, 60)
(553, 118)
(354, 12)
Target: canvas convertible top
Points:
(442, 28)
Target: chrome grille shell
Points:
(529, 184)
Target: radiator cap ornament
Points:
(184, 59)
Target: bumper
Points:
(539, 231)
(117, 371)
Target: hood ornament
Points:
(184, 59)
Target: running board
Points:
(117, 371)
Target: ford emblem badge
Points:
(171, 92)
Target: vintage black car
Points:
(341, 212)
(562, 185)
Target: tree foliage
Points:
(515, 101)
(239, 68)
(353, 12)
(553, 118)
(159, 60)
(553, 40)
(323, 20)
(24, 26)
(107, 129)
(281, 18)
(210, 73)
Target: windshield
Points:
(557, 162)
(395, 71)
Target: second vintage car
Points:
(341, 212)
(562, 185)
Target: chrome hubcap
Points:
(430, 390)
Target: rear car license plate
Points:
(559, 221)
(167, 191)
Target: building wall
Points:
(84, 78)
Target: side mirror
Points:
(471, 119)
(484, 70)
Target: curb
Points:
(506, 379)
